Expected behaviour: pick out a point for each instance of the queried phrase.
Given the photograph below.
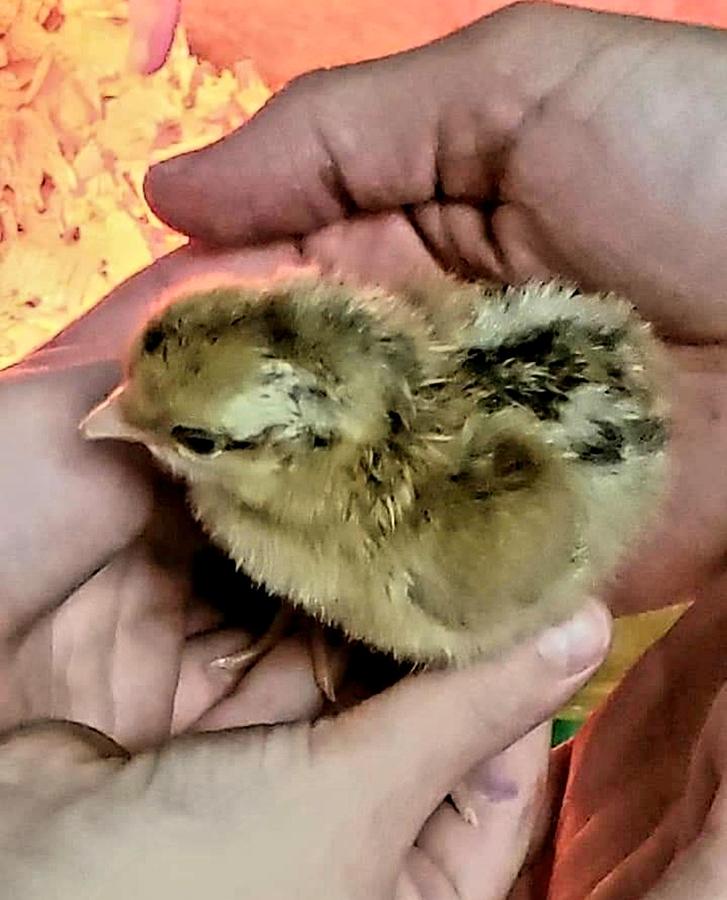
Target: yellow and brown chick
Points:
(439, 471)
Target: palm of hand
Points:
(127, 651)
(100, 622)
(109, 652)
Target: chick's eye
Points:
(197, 440)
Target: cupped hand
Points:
(99, 620)
(500, 152)
(540, 141)
(100, 626)
(350, 807)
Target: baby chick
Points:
(440, 471)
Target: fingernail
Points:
(579, 643)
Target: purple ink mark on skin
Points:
(492, 782)
(499, 789)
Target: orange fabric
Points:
(285, 39)
(626, 805)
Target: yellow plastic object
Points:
(632, 637)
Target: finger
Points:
(55, 744)
(504, 796)
(527, 246)
(383, 249)
(703, 799)
(457, 236)
(202, 685)
(701, 871)
(421, 879)
(66, 508)
(153, 23)
(53, 756)
(419, 739)
(109, 652)
(367, 138)
(280, 688)
(439, 121)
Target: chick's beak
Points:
(106, 421)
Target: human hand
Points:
(539, 141)
(350, 807)
(99, 621)
(99, 627)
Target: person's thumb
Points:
(433, 123)
(416, 742)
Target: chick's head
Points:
(235, 384)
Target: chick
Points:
(440, 472)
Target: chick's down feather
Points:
(439, 471)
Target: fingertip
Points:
(578, 644)
(200, 686)
(209, 195)
(159, 181)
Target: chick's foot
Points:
(326, 670)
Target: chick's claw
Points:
(323, 666)
(248, 656)
(326, 668)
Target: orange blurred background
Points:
(81, 125)
(285, 38)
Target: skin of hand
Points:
(701, 843)
(349, 807)
(98, 622)
(543, 141)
